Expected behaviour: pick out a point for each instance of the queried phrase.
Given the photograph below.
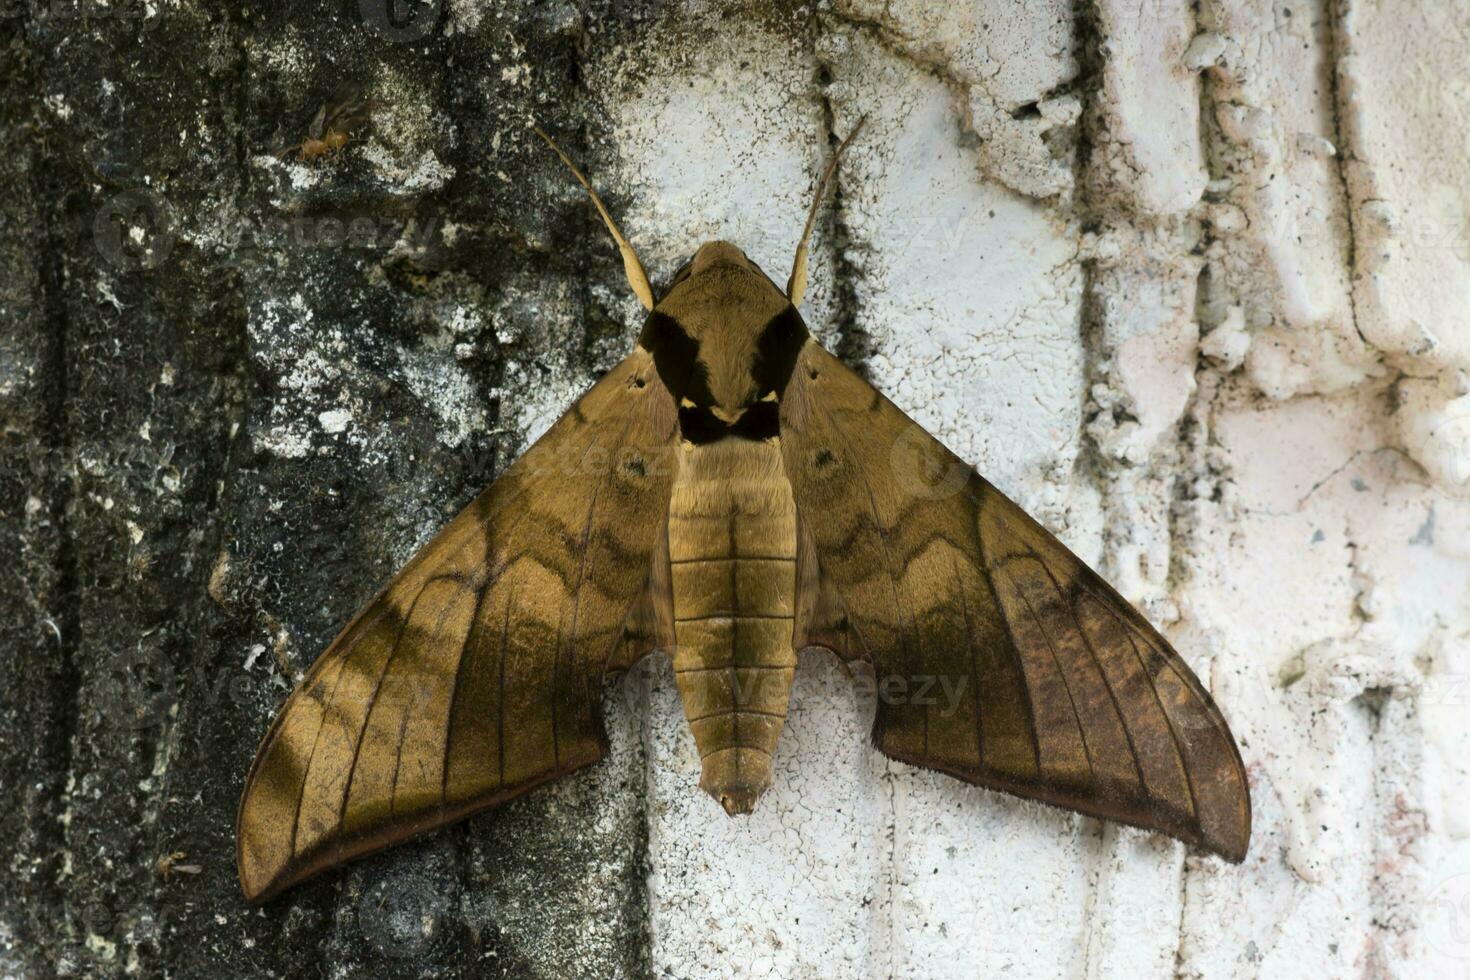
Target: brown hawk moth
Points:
(732, 493)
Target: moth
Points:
(732, 493)
(332, 126)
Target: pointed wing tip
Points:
(264, 863)
(1233, 843)
(1230, 839)
(263, 879)
(1233, 849)
(260, 888)
(256, 892)
(258, 885)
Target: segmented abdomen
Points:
(732, 544)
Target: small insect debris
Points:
(171, 864)
(331, 128)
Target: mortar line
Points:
(1090, 464)
(854, 346)
(233, 412)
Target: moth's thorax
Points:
(710, 330)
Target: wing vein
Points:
(1015, 649)
(480, 594)
(403, 723)
(1066, 686)
(1112, 696)
(316, 738)
(577, 597)
(311, 756)
(510, 602)
(368, 710)
(1158, 699)
(974, 672)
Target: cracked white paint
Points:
(1183, 355)
(1404, 95)
(963, 285)
(1285, 233)
(1004, 61)
(1150, 147)
(1224, 354)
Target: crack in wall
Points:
(1099, 213)
(62, 476)
(1092, 464)
(1343, 138)
(641, 860)
(994, 145)
(855, 346)
(241, 387)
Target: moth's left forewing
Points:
(1000, 657)
(476, 674)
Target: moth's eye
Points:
(639, 383)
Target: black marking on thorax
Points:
(676, 358)
(780, 342)
(757, 423)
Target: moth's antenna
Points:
(637, 278)
(796, 285)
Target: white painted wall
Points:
(1205, 311)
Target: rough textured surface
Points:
(1186, 279)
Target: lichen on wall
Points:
(1185, 279)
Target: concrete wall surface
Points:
(1188, 279)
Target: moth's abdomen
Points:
(732, 544)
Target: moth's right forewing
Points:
(1000, 657)
(476, 674)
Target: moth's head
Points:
(717, 280)
(723, 335)
(714, 256)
